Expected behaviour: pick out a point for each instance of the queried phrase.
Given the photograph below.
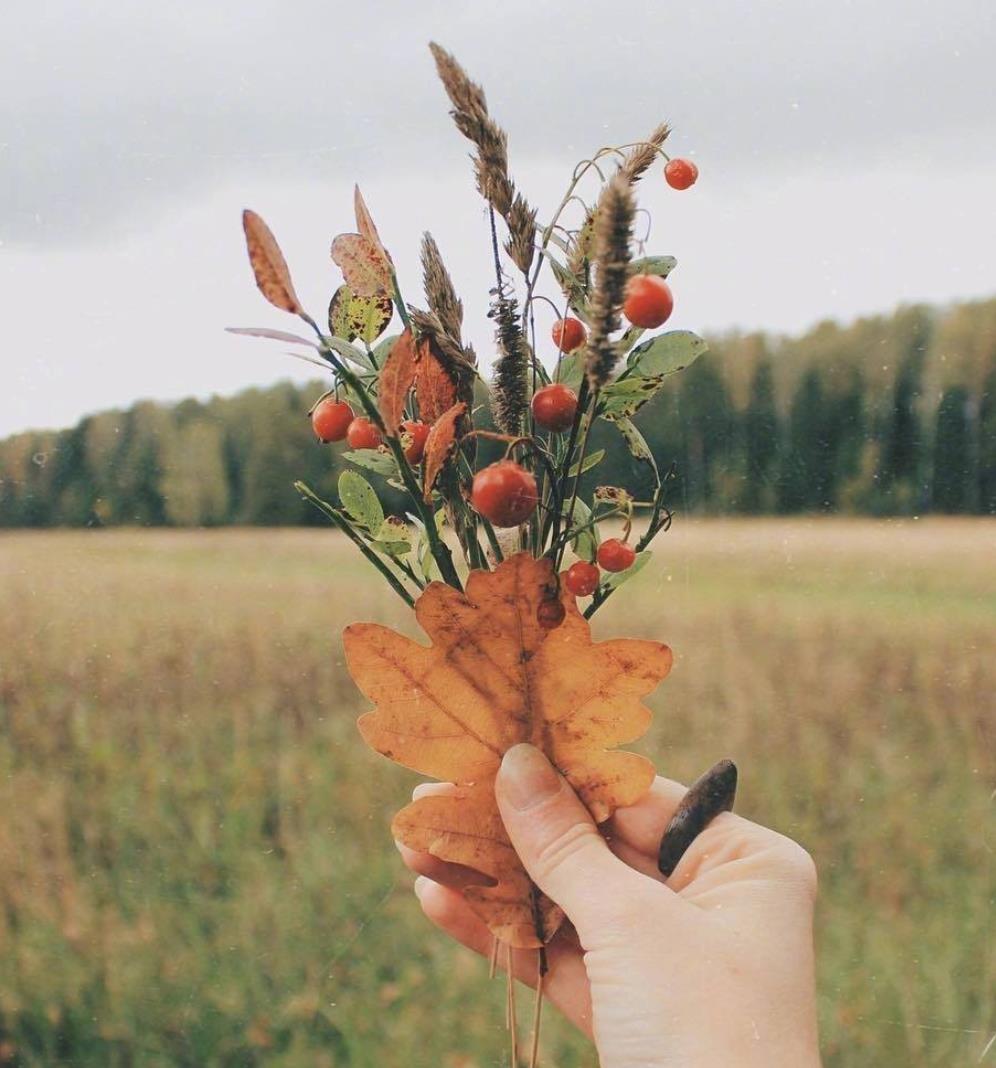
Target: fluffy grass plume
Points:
(613, 232)
(470, 113)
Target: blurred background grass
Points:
(195, 864)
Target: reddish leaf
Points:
(435, 388)
(396, 378)
(439, 444)
(365, 225)
(367, 272)
(269, 266)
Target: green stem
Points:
(398, 302)
(343, 524)
(440, 551)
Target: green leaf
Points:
(661, 266)
(383, 348)
(666, 354)
(614, 580)
(572, 287)
(571, 371)
(585, 542)
(636, 442)
(628, 396)
(394, 537)
(590, 461)
(373, 460)
(351, 316)
(360, 501)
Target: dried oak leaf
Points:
(435, 387)
(366, 271)
(396, 377)
(439, 444)
(269, 266)
(493, 677)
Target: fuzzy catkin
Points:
(613, 231)
(510, 390)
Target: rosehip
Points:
(615, 555)
(554, 407)
(680, 173)
(648, 300)
(330, 419)
(362, 434)
(417, 433)
(582, 579)
(550, 614)
(504, 493)
(568, 334)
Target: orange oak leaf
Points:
(492, 677)
(396, 377)
(269, 266)
(363, 266)
(439, 444)
(435, 387)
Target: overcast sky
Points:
(847, 155)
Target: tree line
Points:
(890, 415)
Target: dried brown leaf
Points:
(363, 266)
(494, 676)
(365, 225)
(269, 266)
(439, 444)
(396, 379)
(435, 387)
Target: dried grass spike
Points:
(642, 156)
(439, 291)
(522, 233)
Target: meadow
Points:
(195, 864)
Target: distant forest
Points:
(891, 415)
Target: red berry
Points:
(648, 300)
(330, 419)
(550, 614)
(582, 579)
(615, 555)
(568, 334)
(505, 493)
(362, 434)
(680, 173)
(554, 407)
(417, 433)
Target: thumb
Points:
(559, 844)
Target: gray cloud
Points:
(110, 110)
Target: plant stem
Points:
(440, 551)
(343, 524)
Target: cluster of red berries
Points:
(613, 555)
(334, 420)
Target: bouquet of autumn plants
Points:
(503, 563)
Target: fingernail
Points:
(527, 777)
(421, 885)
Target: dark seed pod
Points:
(707, 797)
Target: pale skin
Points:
(711, 967)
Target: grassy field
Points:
(195, 866)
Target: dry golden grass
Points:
(194, 860)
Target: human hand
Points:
(713, 966)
